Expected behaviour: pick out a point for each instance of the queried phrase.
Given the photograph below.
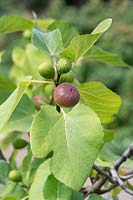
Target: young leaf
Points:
(102, 100)
(7, 108)
(41, 176)
(66, 30)
(13, 23)
(54, 190)
(80, 44)
(21, 118)
(48, 42)
(100, 55)
(75, 138)
(95, 197)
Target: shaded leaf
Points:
(41, 176)
(21, 117)
(75, 138)
(54, 190)
(6, 84)
(4, 170)
(95, 197)
(7, 108)
(12, 23)
(100, 55)
(102, 100)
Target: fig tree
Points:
(66, 95)
(15, 176)
(64, 65)
(46, 70)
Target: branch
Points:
(2, 156)
(112, 176)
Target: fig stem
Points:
(39, 81)
(54, 66)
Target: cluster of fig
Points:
(65, 93)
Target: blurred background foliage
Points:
(85, 15)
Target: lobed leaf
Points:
(80, 44)
(75, 138)
(102, 100)
(100, 55)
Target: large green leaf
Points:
(102, 100)
(7, 108)
(100, 55)
(48, 42)
(21, 118)
(13, 23)
(75, 138)
(66, 30)
(41, 176)
(54, 190)
(82, 43)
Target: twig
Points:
(2, 156)
(112, 176)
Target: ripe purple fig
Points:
(66, 95)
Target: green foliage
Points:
(14, 23)
(46, 70)
(42, 40)
(71, 134)
(105, 102)
(64, 143)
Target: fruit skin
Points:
(66, 95)
(46, 70)
(68, 77)
(64, 65)
(15, 176)
(19, 143)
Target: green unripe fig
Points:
(68, 77)
(15, 176)
(46, 70)
(27, 33)
(66, 95)
(64, 65)
(19, 143)
(48, 90)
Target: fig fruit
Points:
(66, 95)
(68, 77)
(64, 65)
(15, 176)
(46, 70)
